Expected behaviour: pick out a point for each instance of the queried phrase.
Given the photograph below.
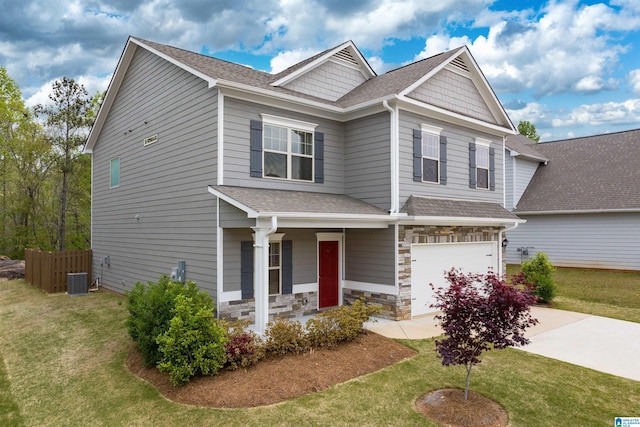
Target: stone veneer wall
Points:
(280, 306)
(410, 234)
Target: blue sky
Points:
(571, 67)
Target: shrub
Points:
(538, 271)
(194, 343)
(150, 310)
(243, 348)
(339, 324)
(283, 336)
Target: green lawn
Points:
(63, 364)
(606, 293)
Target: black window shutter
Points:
(417, 155)
(472, 165)
(255, 139)
(246, 269)
(443, 160)
(318, 157)
(287, 267)
(492, 169)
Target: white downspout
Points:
(261, 273)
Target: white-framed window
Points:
(287, 148)
(482, 164)
(275, 263)
(430, 153)
(115, 172)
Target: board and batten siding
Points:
(239, 113)
(161, 212)
(370, 255)
(331, 80)
(602, 240)
(304, 255)
(458, 140)
(367, 174)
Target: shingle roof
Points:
(392, 82)
(426, 206)
(301, 202)
(598, 172)
(524, 146)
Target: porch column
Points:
(261, 272)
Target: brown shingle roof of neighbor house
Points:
(525, 147)
(594, 173)
(427, 206)
(267, 201)
(392, 82)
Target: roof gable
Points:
(521, 146)
(595, 173)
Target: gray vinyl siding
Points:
(367, 160)
(304, 255)
(604, 240)
(458, 140)
(238, 113)
(164, 184)
(525, 169)
(369, 255)
(330, 80)
(232, 217)
(454, 92)
(510, 180)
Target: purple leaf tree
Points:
(478, 313)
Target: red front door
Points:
(328, 274)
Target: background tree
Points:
(480, 313)
(67, 124)
(526, 128)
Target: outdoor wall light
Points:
(137, 217)
(505, 242)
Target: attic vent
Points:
(459, 63)
(346, 56)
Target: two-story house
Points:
(283, 194)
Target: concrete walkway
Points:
(600, 343)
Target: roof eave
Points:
(577, 211)
(456, 220)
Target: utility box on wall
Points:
(77, 284)
(179, 274)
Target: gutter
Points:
(394, 164)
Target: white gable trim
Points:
(364, 68)
(476, 77)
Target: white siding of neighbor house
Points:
(525, 169)
(458, 140)
(238, 115)
(164, 184)
(454, 92)
(331, 80)
(603, 240)
(509, 181)
(370, 255)
(367, 160)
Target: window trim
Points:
(290, 125)
(433, 131)
(485, 143)
(111, 172)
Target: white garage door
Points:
(430, 261)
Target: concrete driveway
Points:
(600, 343)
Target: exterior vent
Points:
(346, 56)
(77, 284)
(460, 64)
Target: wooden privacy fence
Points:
(48, 270)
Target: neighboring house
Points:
(285, 194)
(582, 204)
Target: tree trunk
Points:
(466, 387)
(63, 211)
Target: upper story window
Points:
(115, 172)
(288, 148)
(429, 155)
(482, 165)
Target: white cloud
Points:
(609, 113)
(634, 80)
(439, 43)
(288, 58)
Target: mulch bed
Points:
(279, 378)
(448, 407)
